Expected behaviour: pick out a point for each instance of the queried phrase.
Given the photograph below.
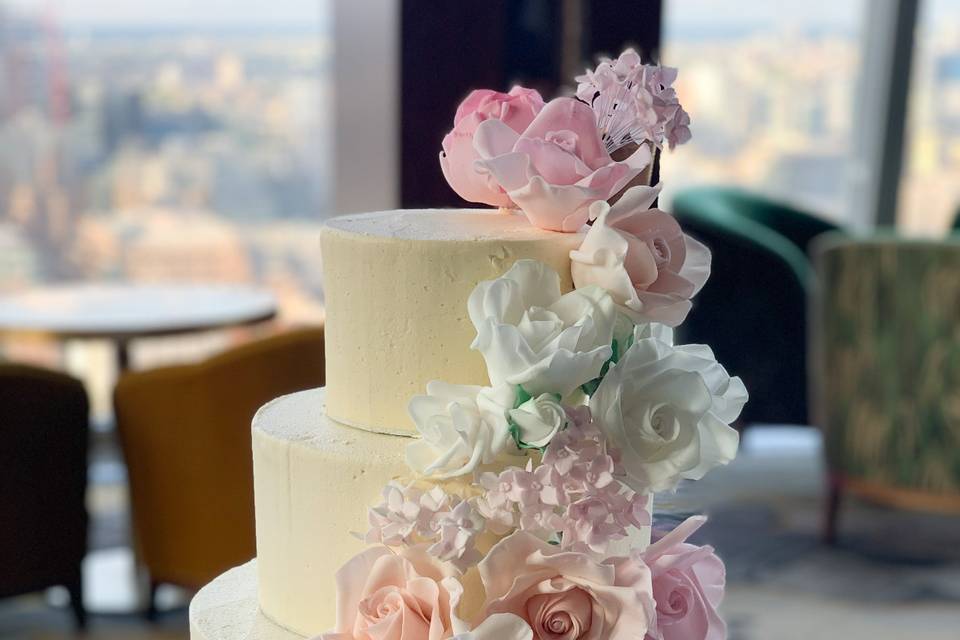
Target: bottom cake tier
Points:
(227, 609)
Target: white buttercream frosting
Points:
(314, 480)
(227, 609)
(396, 287)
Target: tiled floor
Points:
(894, 576)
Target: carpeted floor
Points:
(893, 575)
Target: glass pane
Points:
(770, 89)
(165, 140)
(930, 187)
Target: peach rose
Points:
(642, 258)
(515, 110)
(382, 595)
(565, 595)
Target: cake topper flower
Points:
(634, 103)
(642, 258)
(515, 110)
(557, 167)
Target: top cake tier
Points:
(396, 287)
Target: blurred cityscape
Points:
(167, 153)
(771, 88)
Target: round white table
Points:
(123, 312)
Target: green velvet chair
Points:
(753, 309)
(887, 373)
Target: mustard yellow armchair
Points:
(185, 432)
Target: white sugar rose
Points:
(668, 410)
(500, 626)
(661, 332)
(461, 427)
(539, 419)
(532, 336)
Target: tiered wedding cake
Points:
(512, 501)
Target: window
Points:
(770, 87)
(930, 185)
(168, 139)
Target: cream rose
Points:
(531, 335)
(668, 410)
(461, 427)
(539, 419)
(382, 595)
(565, 595)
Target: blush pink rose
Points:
(382, 595)
(515, 110)
(558, 166)
(642, 258)
(688, 583)
(565, 595)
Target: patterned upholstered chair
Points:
(886, 383)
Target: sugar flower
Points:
(642, 258)
(515, 110)
(531, 335)
(667, 410)
(557, 167)
(563, 594)
(382, 595)
(461, 427)
(688, 583)
(573, 496)
(500, 626)
(538, 420)
(409, 515)
(634, 103)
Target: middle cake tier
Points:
(396, 285)
(314, 480)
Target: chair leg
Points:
(151, 611)
(76, 604)
(832, 510)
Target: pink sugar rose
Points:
(642, 258)
(382, 595)
(688, 584)
(565, 595)
(557, 167)
(516, 110)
